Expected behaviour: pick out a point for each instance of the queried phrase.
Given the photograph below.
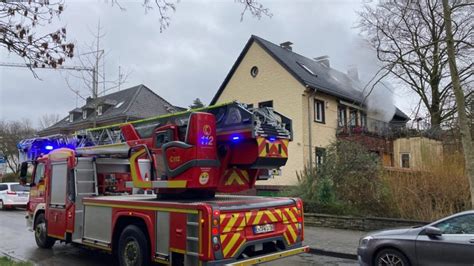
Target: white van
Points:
(13, 195)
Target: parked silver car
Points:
(449, 241)
(13, 195)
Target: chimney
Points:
(323, 60)
(352, 72)
(88, 100)
(286, 45)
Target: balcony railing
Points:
(374, 127)
(370, 126)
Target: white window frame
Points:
(71, 117)
(99, 110)
(84, 114)
(319, 112)
(342, 116)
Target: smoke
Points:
(379, 99)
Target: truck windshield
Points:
(19, 188)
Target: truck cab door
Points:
(56, 205)
(37, 187)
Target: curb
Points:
(341, 255)
(12, 257)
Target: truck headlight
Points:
(365, 241)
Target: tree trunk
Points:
(460, 100)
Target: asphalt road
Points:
(18, 242)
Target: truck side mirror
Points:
(23, 172)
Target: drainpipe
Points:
(311, 92)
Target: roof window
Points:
(119, 104)
(306, 68)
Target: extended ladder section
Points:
(264, 122)
(221, 148)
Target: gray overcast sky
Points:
(191, 58)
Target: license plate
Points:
(260, 229)
(22, 194)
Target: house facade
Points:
(323, 103)
(134, 103)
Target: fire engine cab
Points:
(163, 189)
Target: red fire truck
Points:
(94, 188)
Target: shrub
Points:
(441, 188)
(348, 182)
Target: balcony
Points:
(370, 127)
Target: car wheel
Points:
(2, 206)
(391, 257)
(41, 234)
(133, 247)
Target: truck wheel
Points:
(133, 247)
(41, 233)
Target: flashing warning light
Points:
(235, 138)
(215, 231)
(48, 147)
(272, 139)
(216, 213)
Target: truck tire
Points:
(133, 247)
(41, 234)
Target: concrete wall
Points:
(273, 82)
(357, 223)
(422, 151)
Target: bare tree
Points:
(11, 132)
(408, 37)
(48, 120)
(18, 20)
(165, 8)
(95, 83)
(466, 137)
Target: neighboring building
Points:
(126, 105)
(416, 152)
(323, 103)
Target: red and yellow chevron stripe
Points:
(232, 222)
(289, 215)
(232, 226)
(231, 243)
(277, 148)
(262, 217)
(290, 234)
(236, 176)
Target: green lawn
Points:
(5, 261)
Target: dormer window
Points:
(99, 110)
(71, 117)
(84, 114)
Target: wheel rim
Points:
(131, 253)
(390, 259)
(40, 231)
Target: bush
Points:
(438, 190)
(347, 183)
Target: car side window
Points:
(3, 187)
(39, 173)
(458, 225)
